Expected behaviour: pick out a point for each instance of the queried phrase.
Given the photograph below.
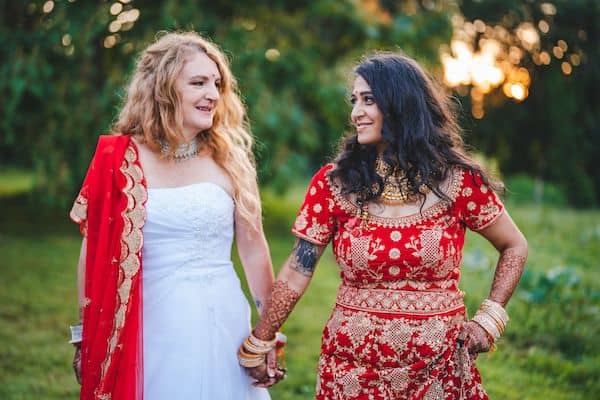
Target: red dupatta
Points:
(110, 211)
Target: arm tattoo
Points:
(507, 275)
(259, 305)
(305, 256)
(278, 308)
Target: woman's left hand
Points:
(474, 338)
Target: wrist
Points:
(76, 334)
(492, 317)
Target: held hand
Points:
(77, 363)
(475, 338)
(267, 374)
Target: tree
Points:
(69, 60)
(553, 133)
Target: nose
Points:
(213, 93)
(357, 111)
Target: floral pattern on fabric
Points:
(392, 333)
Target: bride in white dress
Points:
(195, 314)
(189, 134)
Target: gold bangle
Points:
(262, 343)
(249, 360)
(497, 309)
(248, 345)
(487, 323)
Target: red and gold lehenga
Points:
(392, 333)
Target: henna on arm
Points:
(508, 272)
(279, 306)
(303, 259)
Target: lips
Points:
(207, 109)
(362, 125)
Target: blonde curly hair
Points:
(152, 109)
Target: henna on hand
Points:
(474, 338)
(508, 272)
(278, 308)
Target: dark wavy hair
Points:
(420, 133)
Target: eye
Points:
(352, 100)
(219, 85)
(198, 83)
(369, 100)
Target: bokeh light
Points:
(48, 7)
(272, 54)
(486, 57)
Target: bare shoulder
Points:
(215, 173)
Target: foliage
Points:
(523, 189)
(291, 59)
(67, 64)
(554, 133)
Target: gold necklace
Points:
(183, 152)
(396, 190)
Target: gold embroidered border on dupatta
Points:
(79, 213)
(134, 217)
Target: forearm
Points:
(290, 285)
(508, 272)
(259, 273)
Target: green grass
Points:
(549, 351)
(15, 181)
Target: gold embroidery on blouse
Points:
(362, 249)
(453, 189)
(134, 217)
(488, 213)
(301, 220)
(430, 252)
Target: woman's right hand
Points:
(77, 363)
(268, 373)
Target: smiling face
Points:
(199, 89)
(365, 116)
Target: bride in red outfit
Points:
(396, 203)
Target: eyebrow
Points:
(363, 93)
(218, 78)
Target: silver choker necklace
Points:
(183, 152)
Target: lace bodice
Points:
(189, 227)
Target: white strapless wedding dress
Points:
(195, 313)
